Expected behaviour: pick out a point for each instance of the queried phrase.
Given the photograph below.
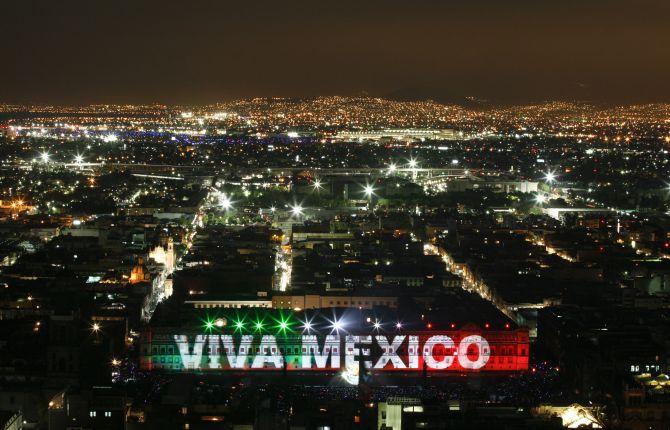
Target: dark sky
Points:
(188, 51)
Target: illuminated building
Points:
(139, 273)
(330, 341)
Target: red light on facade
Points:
(487, 325)
(429, 325)
(506, 325)
(453, 325)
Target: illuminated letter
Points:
(413, 352)
(310, 346)
(237, 358)
(428, 347)
(269, 353)
(214, 352)
(352, 352)
(389, 352)
(190, 360)
(482, 351)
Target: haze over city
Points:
(513, 51)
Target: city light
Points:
(368, 190)
(225, 202)
(78, 158)
(95, 327)
(110, 138)
(45, 156)
(413, 163)
(296, 210)
(398, 325)
(307, 326)
(550, 177)
(336, 325)
(540, 198)
(259, 325)
(392, 168)
(317, 185)
(239, 325)
(283, 323)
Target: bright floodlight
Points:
(337, 325)
(45, 157)
(273, 209)
(78, 158)
(317, 184)
(412, 163)
(95, 327)
(225, 202)
(368, 190)
(296, 210)
(398, 325)
(392, 167)
(540, 198)
(307, 326)
(377, 325)
(550, 177)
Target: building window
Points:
(92, 414)
(108, 414)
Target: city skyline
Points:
(335, 215)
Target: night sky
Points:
(73, 51)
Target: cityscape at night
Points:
(335, 216)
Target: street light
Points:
(412, 163)
(550, 177)
(95, 327)
(78, 158)
(317, 185)
(45, 157)
(225, 202)
(296, 210)
(368, 190)
(540, 198)
(392, 168)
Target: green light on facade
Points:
(284, 324)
